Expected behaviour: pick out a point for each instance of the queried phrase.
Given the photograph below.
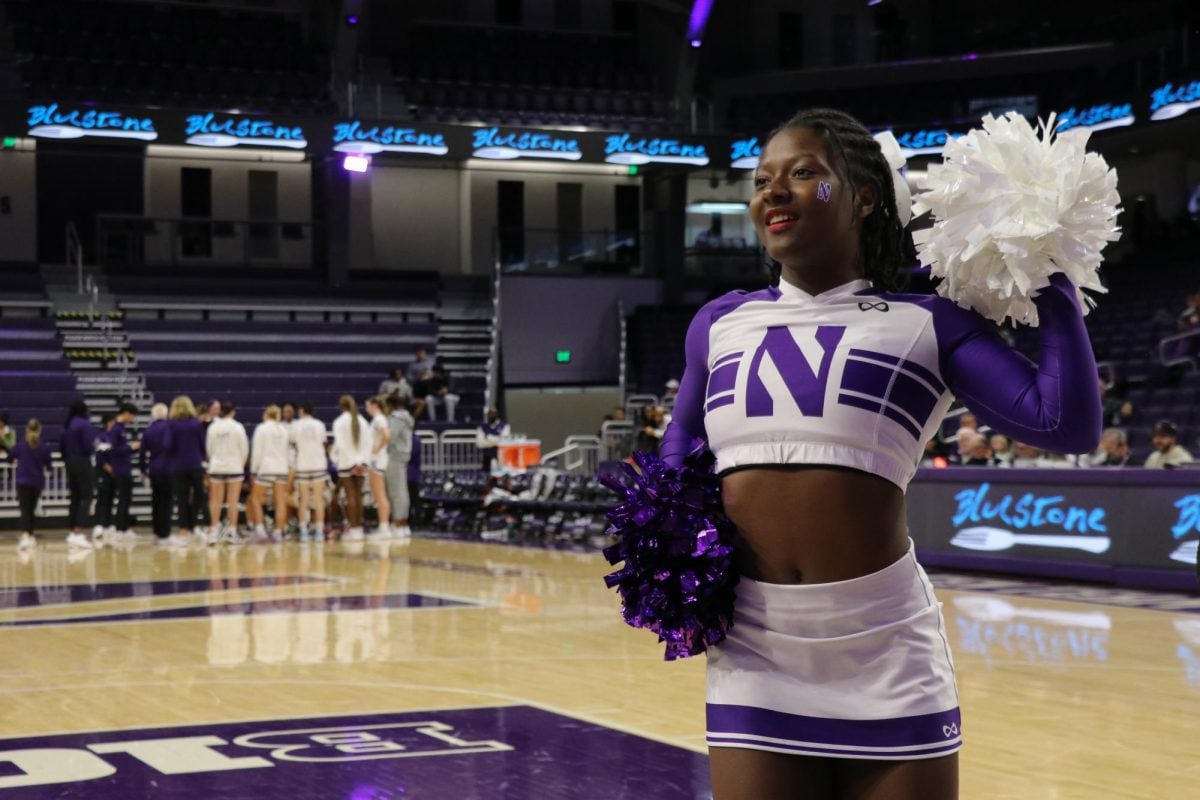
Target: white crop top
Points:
(838, 378)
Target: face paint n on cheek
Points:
(824, 191)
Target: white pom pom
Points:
(1011, 209)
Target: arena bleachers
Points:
(167, 54)
(36, 379)
(452, 73)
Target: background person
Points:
(228, 451)
(32, 457)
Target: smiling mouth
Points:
(778, 222)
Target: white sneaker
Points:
(404, 532)
(179, 541)
(164, 541)
(128, 536)
(353, 535)
(97, 531)
(260, 535)
(374, 536)
(277, 536)
(213, 536)
(110, 531)
(27, 542)
(231, 536)
(78, 541)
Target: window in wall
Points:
(624, 16)
(791, 40)
(510, 222)
(567, 15)
(570, 223)
(627, 247)
(263, 204)
(195, 206)
(845, 44)
(508, 12)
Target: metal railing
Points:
(622, 350)
(1179, 349)
(617, 440)
(129, 239)
(551, 251)
(55, 493)
(458, 451)
(74, 253)
(578, 454)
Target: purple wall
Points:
(543, 315)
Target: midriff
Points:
(814, 524)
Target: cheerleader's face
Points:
(804, 212)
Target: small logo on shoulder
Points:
(878, 306)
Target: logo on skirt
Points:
(950, 730)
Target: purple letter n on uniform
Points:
(806, 387)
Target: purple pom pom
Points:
(678, 578)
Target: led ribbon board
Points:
(744, 153)
(1170, 101)
(353, 137)
(220, 130)
(924, 142)
(1096, 118)
(624, 149)
(52, 122)
(498, 145)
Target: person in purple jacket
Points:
(77, 445)
(153, 464)
(33, 459)
(114, 475)
(185, 450)
(105, 484)
(816, 397)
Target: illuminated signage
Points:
(744, 153)
(1187, 522)
(220, 130)
(354, 137)
(497, 145)
(51, 122)
(624, 149)
(1029, 511)
(1170, 101)
(1096, 118)
(924, 142)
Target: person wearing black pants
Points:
(185, 449)
(121, 460)
(33, 459)
(153, 464)
(77, 445)
(105, 478)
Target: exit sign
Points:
(562, 356)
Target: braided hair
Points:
(883, 244)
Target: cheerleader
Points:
(835, 679)
(376, 476)
(400, 448)
(33, 459)
(269, 468)
(228, 450)
(184, 447)
(351, 454)
(308, 442)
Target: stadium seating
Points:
(134, 53)
(511, 77)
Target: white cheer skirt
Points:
(853, 669)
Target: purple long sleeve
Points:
(1055, 404)
(687, 419)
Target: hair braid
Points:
(883, 243)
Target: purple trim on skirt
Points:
(726, 722)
